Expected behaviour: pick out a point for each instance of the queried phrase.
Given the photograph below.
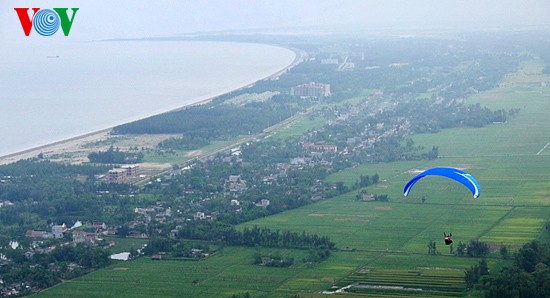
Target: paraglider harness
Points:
(448, 239)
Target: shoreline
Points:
(94, 136)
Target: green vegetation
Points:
(41, 191)
(113, 155)
(229, 272)
(293, 216)
(202, 124)
(299, 127)
(46, 270)
(527, 277)
(382, 245)
(123, 244)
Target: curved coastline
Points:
(62, 145)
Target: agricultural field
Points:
(510, 161)
(382, 247)
(226, 273)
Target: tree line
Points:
(47, 269)
(529, 275)
(201, 124)
(262, 236)
(229, 235)
(113, 155)
(44, 192)
(274, 238)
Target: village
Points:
(70, 221)
(233, 193)
(167, 217)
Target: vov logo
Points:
(46, 22)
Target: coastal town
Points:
(242, 183)
(262, 150)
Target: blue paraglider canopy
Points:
(466, 179)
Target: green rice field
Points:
(382, 246)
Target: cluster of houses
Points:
(14, 290)
(235, 185)
(144, 216)
(203, 216)
(78, 235)
(56, 232)
(320, 147)
(6, 203)
(40, 245)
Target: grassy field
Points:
(182, 156)
(222, 275)
(383, 245)
(510, 162)
(299, 127)
(125, 244)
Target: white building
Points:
(57, 231)
(311, 90)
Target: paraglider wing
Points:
(466, 179)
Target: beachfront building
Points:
(131, 170)
(120, 174)
(311, 90)
(117, 175)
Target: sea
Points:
(50, 93)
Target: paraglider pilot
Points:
(448, 239)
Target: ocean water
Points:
(51, 92)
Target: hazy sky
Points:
(139, 18)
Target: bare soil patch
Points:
(194, 153)
(352, 220)
(76, 150)
(462, 167)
